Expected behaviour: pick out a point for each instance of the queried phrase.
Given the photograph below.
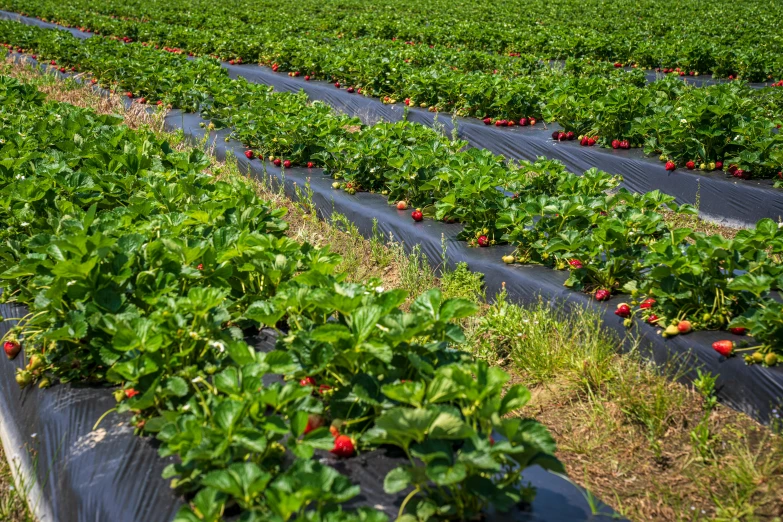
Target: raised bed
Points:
(77, 474)
(720, 197)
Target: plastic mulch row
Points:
(72, 473)
(720, 197)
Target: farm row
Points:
(611, 240)
(705, 128)
(141, 270)
(650, 33)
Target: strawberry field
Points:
(137, 269)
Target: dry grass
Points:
(653, 449)
(13, 505)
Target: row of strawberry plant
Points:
(140, 269)
(719, 127)
(685, 35)
(555, 217)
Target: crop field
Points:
(314, 315)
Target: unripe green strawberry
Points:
(771, 359)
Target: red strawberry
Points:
(653, 319)
(52, 63)
(487, 120)
(738, 330)
(130, 393)
(570, 135)
(510, 123)
(647, 303)
(684, 327)
(725, 348)
(417, 215)
(561, 136)
(732, 169)
(287, 163)
(555, 135)
(739, 173)
(584, 142)
(349, 90)
(324, 388)
(602, 295)
(343, 446)
(276, 162)
(483, 241)
(12, 348)
(310, 164)
(575, 263)
(623, 310)
(307, 77)
(308, 381)
(670, 166)
(625, 145)
(523, 122)
(690, 165)
(313, 422)
(615, 144)
(337, 84)
(618, 64)
(249, 154)
(501, 123)
(160, 102)
(200, 266)
(129, 94)
(590, 142)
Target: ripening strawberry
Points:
(334, 431)
(307, 381)
(287, 163)
(130, 393)
(575, 263)
(615, 144)
(402, 205)
(200, 266)
(343, 446)
(531, 121)
(684, 327)
(313, 422)
(670, 166)
(623, 310)
(602, 295)
(690, 165)
(725, 348)
(12, 348)
(510, 123)
(417, 215)
(249, 154)
(738, 330)
(483, 241)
